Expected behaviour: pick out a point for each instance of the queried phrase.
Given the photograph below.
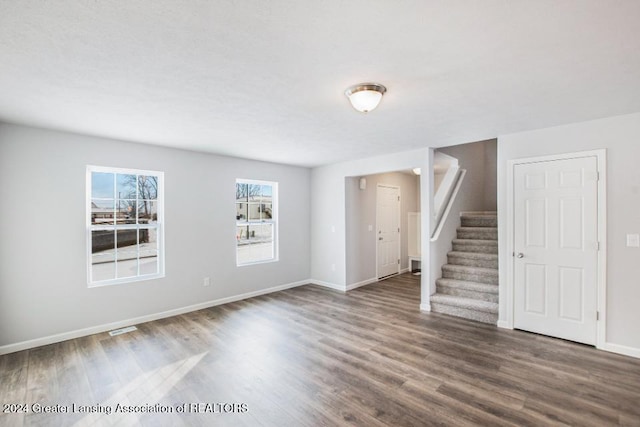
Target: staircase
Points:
(469, 284)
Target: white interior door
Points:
(388, 225)
(556, 244)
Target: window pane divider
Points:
(135, 195)
(123, 227)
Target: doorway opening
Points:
(378, 209)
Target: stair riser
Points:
(482, 249)
(478, 316)
(473, 262)
(471, 277)
(471, 286)
(479, 222)
(488, 234)
(465, 293)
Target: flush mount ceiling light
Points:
(365, 97)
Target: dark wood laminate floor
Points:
(310, 356)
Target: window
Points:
(124, 225)
(256, 221)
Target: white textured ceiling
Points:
(265, 79)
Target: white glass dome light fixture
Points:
(365, 97)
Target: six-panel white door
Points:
(556, 244)
(388, 225)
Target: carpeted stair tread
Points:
(471, 274)
(477, 228)
(478, 233)
(473, 259)
(465, 303)
(478, 213)
(474, 255)
(473, 270)
(476, 242)
(478, 246)
(475, 315)
(467, 289)
(479, 221)
(467, 285)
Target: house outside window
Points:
(124, 225)
(256, 221)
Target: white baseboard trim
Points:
(341, 288)
(51, 339)
(362, 283)
(405, 270)
(425, 307)
(621, 349)
(504, 324)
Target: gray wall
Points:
(361, 212)
(480, 161)
(43, 284)
(491, 175)
(621, 137)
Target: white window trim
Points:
(159, 225)
(274, 221)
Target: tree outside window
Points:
(255, 221)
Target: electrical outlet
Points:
(633, 240)
(333, 267)
(206, 281)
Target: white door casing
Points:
(556, 248)
(388, 230)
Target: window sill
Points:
(124, 280)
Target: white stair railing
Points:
(447, 180)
